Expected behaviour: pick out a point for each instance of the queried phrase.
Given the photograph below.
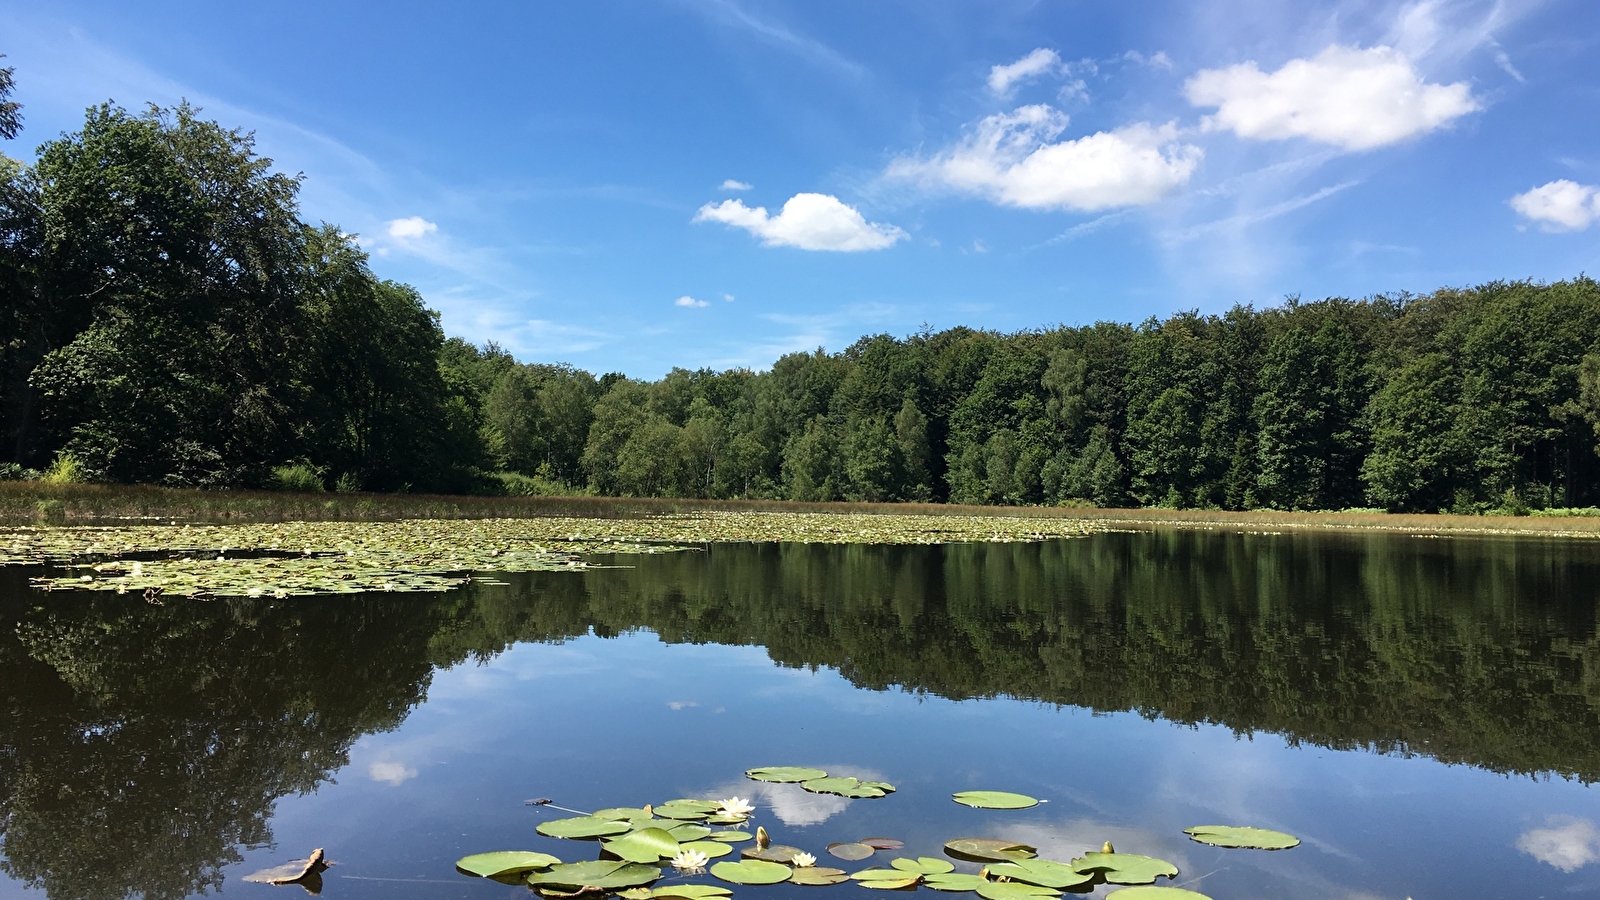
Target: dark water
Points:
(1424, 713)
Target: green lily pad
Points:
(954, 881)
(1014, 890)
(647, 845)
(988, 850)
(630, 813)
(778, 853)
(752, 871)
(923, 865)
(732, 837)
(851, 850)
(712, 849)
(1125, 868)
(886, 879)
(725, 820)
(685, 810)
(600, 874)
(784, 774)
(846, 786)
(1242, 837)
(638, 893)
(580, 827)
(692, 891)
(1041, 872)
(688, 831)
(817, 876)
(1156, 893)
(504, 862)
(994, 800)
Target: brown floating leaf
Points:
(779, 853)
(852, 850)
(881, 843)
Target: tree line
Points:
(168, 318)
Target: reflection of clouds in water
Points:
(676, 705)
(1566, 842)
(792, 804)
(392, 772)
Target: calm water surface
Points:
(1424, 713)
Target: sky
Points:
(633, 185)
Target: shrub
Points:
(517, 484)
(65, 470)
(348, 483)
(300, 477)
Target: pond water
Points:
(1423, 713)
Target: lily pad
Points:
(1041, 872)
(886, 879)
(1242, 837)
(852, 850)
(1125, 868)
(785, 774)
(778, 853)
(1156, 893)
(731, 837)
(692, 891)
(504, 862)
(712, 849)
(955, 881)
(923, 865)
(631, 813)
(846, 786)
(818, 876)
(988, 850)
(647, 845)
(686, 809)
(688, 831)
(580, 827)
(994, 800)
(1014, 890)
(752, 871)
(600, 874)
(880, 843)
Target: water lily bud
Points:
(761, 837)
(1107, 848)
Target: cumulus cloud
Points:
(1345, 96)
(690, 302)
(1565, 842)
(410, 229)
(1041, 61)
(807, 221)
(395, 773)
(1014, 159)
(1560, 205)
(731, 185)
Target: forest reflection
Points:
(142, 746)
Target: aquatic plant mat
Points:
(306, 558)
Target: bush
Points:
(348, 483)
(517, 484)
(65, 470)
(1568, 511)
(300, 477)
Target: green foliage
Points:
(65, 470)
(299, 477)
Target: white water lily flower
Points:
(735, 808)
(804, 859)
(690, 860)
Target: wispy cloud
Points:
(689, 302)
(728, 12)
(1256, 216)
(1003, 78)
(732, 185)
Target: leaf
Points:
(784, 774)
(599, 874)
(692, 891)
(712, 849)
(1014, 890)
(1242, 837)
(881, 843)
(819, 876)
(988, 850)
(685, 809)
(780, 853)
(580, 827)
(647, 845)
(887, 879)
(1125, 868)
(630, 813)
(954, 881)
(923, 865)
(504, 862)
(638, 893)
(688, 831)
(751, 871)
(994, 800)
(1156, 893)
(846, 786)
(851, 850)
(1041, 872)
(732, 837)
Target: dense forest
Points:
(167, 317)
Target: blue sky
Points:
(635, 185)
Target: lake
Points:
(1423, 713)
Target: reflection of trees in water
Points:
(141, 746)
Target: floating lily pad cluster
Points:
(638, 843)
(307, 558)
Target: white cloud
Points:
(410, 229)
(1010, 159)
(807, 221)
(395, 773)
(1003, 78)
(1352, 98)
(732, 185)
(728, 297)
(1156, 60)
(1560, 205)
(1566, 842)
(690, 302)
